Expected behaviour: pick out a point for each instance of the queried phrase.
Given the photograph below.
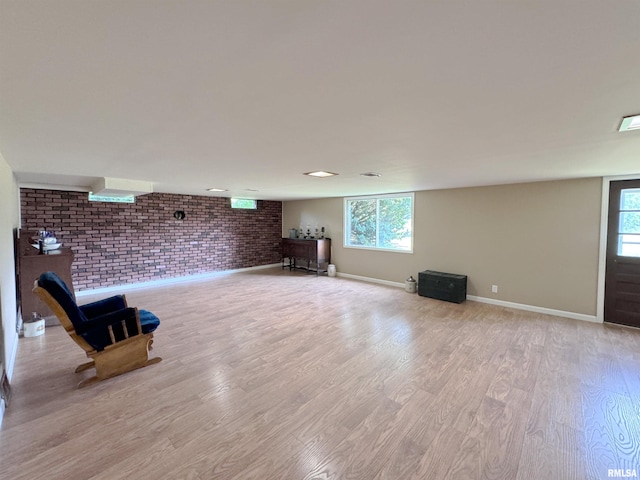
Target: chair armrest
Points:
(96, 331)
(108, 305)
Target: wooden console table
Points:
(317, 252)
(30, 265)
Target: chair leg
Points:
(151, 361)
(88, 381)
(120, 358)
(85, 366)
(96, 378)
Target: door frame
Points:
(602, 251)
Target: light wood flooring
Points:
(278, 375)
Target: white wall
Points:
(9, 218)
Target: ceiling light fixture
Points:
(370, 174)
(321, 174)
(216, 190)
(630, 123)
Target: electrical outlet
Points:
(494, 288)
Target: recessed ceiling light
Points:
(370, 174)
(321, 174)
(251, 190)
(216, 190)
(630, 123)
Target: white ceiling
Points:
(249, 95)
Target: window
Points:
(629, 223)
(112, 198)
(382, 222)
(244, 203)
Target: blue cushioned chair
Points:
(116, 337)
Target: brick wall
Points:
(116, 244)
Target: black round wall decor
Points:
(179, 214)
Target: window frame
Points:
(623, 236)
(347, 221)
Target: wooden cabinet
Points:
(30, 265)
(315, 253)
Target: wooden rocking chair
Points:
(115, 337)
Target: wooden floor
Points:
(279, 375)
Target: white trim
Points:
(602, 253)
(12, 358)
(370, 280)
(168, 281)
(533, 308)
(501, 303)
(52, 186)
(602, 250)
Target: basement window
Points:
(381, 222)
(244, 203)
(112, 198)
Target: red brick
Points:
(128, 243)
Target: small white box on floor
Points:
(33, 329)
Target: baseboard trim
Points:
(370, 280)
(168, 281)
(491, 301)
(533, 308)
(12, 358)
